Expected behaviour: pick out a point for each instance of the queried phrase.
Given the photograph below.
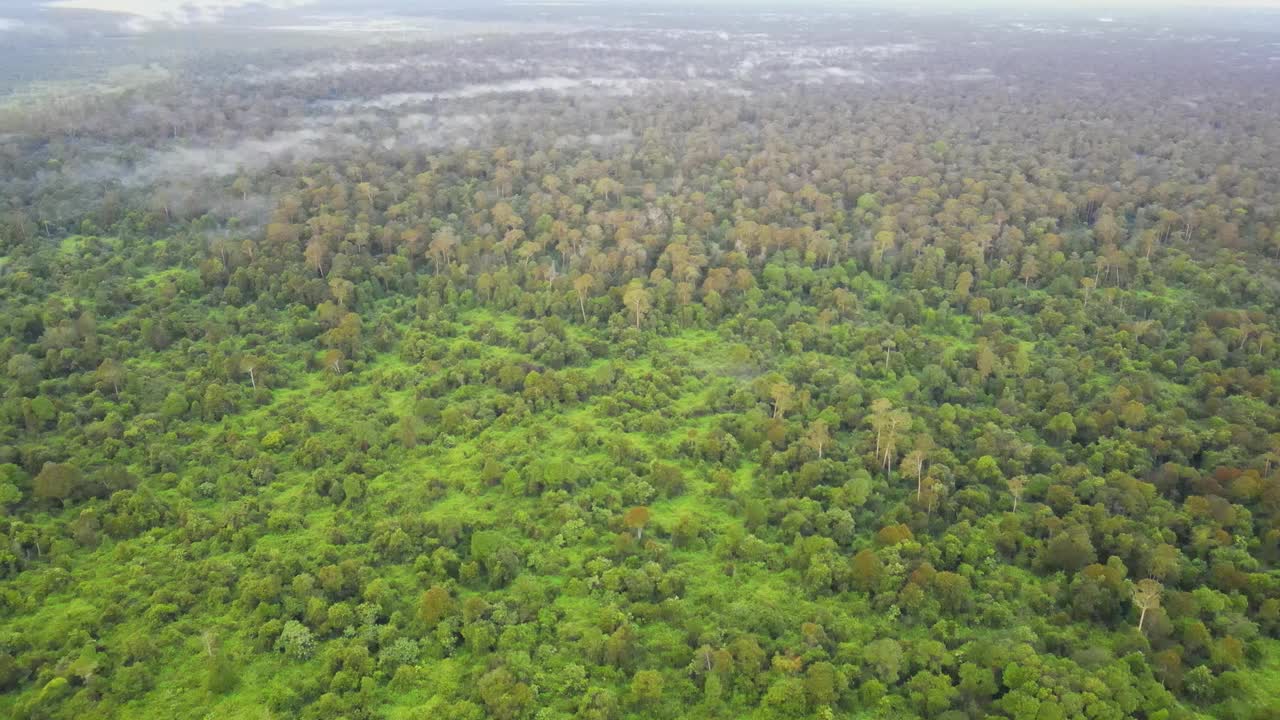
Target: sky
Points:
(198, 10)
(154, 14)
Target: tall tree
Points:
(1016, 486)
(637, 299)
(637, 518)
(1146, 595)
(818, 437)
(783, 394)
(582, 286)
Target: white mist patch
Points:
(817, 76)
(147, 14)
(552, 84)
(891, 50)
(357, 25)
(315, 70)
(437, 131)
(979, 75)
(625, 46)
(594, 140)
(1040, 29)
(345, 122)
(351, 25)
(250, 154)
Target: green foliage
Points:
(296, 641)
(768, 412)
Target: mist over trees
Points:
(769, 365)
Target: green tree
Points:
(1070, 549)
(56, 481)
(296, 641)
(885, 658)
(1062, 426)
(646, 687)
(434, 605)
(637, 300)
(25, 371)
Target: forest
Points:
(663, 365)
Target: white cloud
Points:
(150, 13)
(336, 68)
(249, 154)
(816, 76)
(979, 75)
(554, 84)
(883, 52)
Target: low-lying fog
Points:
(578, 77)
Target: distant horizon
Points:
(211, 9)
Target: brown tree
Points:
(637, 518)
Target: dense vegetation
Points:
(879, 398)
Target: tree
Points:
(636, 518)
(1016, 486)
(932, 692)
(317, 255)
(10, 494)
(1070, 549)
(408, 430)
(986, 360)
(1165, 562)
(1146, 595)
(888, 345)
(249, 365)
(296, 641)
(976, 682)
(933, 492)
(581, 286)
(636, 298)
(879, 419)
(916, 459)
(818, 436)
(866, 569)
(56, 481)
(110, 374)
(646, 687)
(782, 394)
(341, 289)
(785, 698)
(1106, 229)
(347, 334)
(885, 658)
(441, 246)
(1272, 456)
(964, 281)
(434, 605)
(1062, 426)
(891, 423)
(503, 695)
(1030, 269)
(220, 673)
(332, 360)
(24, 369)
(822, 683)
